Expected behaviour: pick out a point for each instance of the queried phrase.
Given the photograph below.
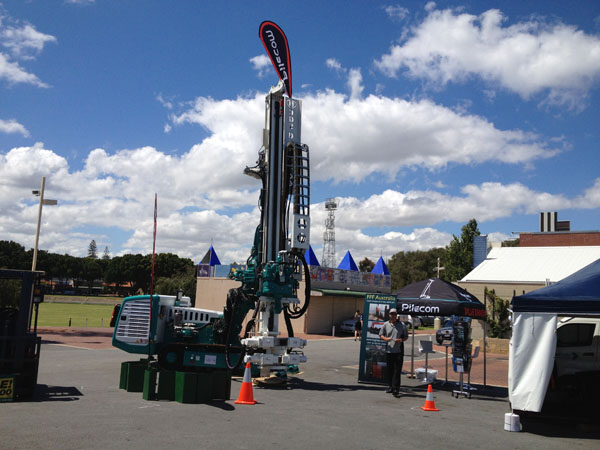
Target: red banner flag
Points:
(276, 44)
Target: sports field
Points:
(80, 315)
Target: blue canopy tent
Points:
(310, 257)
(578, 294)
(207, 266)
(211, 258)
(380, 267)
(348, 263)
(533, 343)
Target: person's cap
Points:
(393, 311)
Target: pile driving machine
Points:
(188, 339)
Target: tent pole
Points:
(412, 352)
(484, 341)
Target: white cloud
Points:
(355, 139)
(528, 58)
(116, 191)
(80, 2)
(352, 139)
(24, 41)
(396, 12)
(21, 42)
(355, 84)
(14, 73)
(11, 126)
(334, 64)
(204, 195)
(261, 64)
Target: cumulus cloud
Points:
(382, 135)
(203, 194)
(116, 191)
(355, 138)
(528, 58)
(11, 126)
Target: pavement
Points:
(78, 405)
(496, 365)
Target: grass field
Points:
(59, 314)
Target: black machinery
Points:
(20, 296)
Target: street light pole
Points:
(39, 219)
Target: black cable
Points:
(233, 298)
(307, 288)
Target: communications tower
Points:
(328, 259)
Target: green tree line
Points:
(456, 260)
(131, 271)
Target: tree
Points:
(90, 271)
(106, 254)
(410, 267)
(512, 243)
(185, 281)
(459, 253)
(93, 250)
(13, 256)
(366, 265)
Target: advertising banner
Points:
(328, 278)
(7, 383)
(276, 45)
(372, 366)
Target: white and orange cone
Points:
(246, 397)
(429, 403)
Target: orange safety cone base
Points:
(426, 408)
(246, 397)
(429, 403)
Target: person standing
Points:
(357, 325)
(394, 332)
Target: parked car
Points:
(577, 346)
(427, 321)
(444, 334)
(347, 326)
(409, 320)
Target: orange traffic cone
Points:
(429, 403)
(246, 397)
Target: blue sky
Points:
(419, 116)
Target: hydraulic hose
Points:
(233, 299)
(307, 288)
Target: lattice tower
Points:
(328, 259)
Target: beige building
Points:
(513, 271)
(328, 307)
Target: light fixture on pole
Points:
(43, 201)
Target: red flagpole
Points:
(153, 260)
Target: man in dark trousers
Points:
(394, 333)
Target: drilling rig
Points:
(187, 339)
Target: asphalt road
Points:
(78, 405)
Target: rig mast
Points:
(328, 259)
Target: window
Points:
(575, 335)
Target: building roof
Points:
(337, 293)
(532, 264)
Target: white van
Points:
(577, 346)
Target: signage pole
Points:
(484, 340)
